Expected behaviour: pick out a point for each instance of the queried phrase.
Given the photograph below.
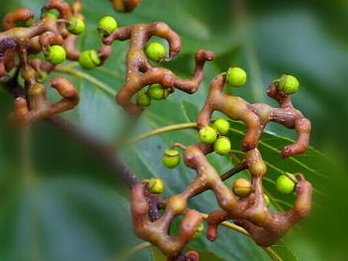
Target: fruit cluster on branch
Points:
(55, 35)
(141, 73)
(245, 203)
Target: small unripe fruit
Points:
(171, 158)
(289, 83)
(89, 59)
(222, 126)
(267, 200)
(177, 203)
(107, 25)
(199, 231)
(286, 183)
(155, 51)
(55, 54)
(241, 187)
(158, 92)
(222, 145)
(236, 77)
(76, 25)
(155, 185)
(52, 14)
(143, 99)
(207, 135)
(41, 76)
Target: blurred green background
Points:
(69, 206)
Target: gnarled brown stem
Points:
(141, 73)
(256, 116)
(157, 232)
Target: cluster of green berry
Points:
(88, 59)
(285, 184)
(237, 77)
(56, 54)
(154, 91)
(155, 52)
(215, 134)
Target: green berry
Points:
(222, 145)
(171, 158)
(236, 77)
(52, 14)
(267, 200)
(207, 135)
(155, 51)
(155, 185)
(289, 83)
(89, 59)
(286, 183)
(76, 25)
(41, 76)
(143, 99)
(222, 126)
(158, 92)
(242, 187)
(56, 54)
(199, 231)
(107, 25)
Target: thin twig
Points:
(169, 128)
(87, 77)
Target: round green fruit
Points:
(107, 25)
(207, 135)
(286, 183)
(222, 145)
(89, 59)
(56, 54)
(289, 83)
(236, 77)
(199, 231)
(171, 158)
(76, 25)
(267, 200)
(52, 14)
(143, 99)
(222, 126)
(158, 92)
(155, 185)
(155, 51)
(241, 187)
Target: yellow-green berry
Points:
(55, 54)
(107, 25)
(222, 145)
(155, 185)
(158, 92)
(89, 59)
(267, 200)
(199, 231)
(207, 135)
(286, 183)
(41, 76)
(289, 83)
(171, 158)
(143, 99)
(236, 77)
(155, 51)
(76, 25)
(52, 14)
(241, 187)
(222, 126)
